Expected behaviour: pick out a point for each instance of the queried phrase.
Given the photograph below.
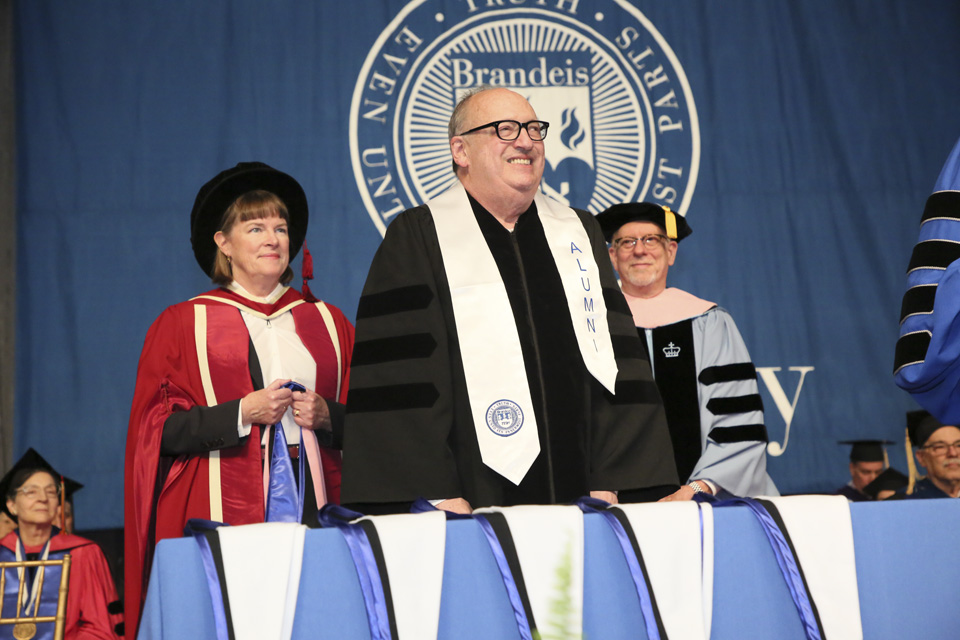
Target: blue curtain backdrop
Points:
(810, 136)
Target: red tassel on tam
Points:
(63, 506)
(307, 271)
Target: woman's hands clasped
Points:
(268, 405)
(310, 411)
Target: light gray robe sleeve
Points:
(738, 466)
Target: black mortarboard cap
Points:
(33, 460)
(889, 480)
(920, 426)
(216, 196)
(866, 450)
(674, 224)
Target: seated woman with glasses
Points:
(32, 491)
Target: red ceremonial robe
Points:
(91, 596)
(162, 493)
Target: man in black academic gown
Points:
(496, 362)
(867, 461)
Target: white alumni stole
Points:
(493, 365)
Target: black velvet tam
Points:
(219, 193)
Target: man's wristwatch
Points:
(696, 487)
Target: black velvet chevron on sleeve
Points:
(735, 404)
(741, 433)
(918, 299)
(396, 439)
(934, 254)
(728, 373)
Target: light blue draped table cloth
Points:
(903, 550)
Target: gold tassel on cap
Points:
(911, 465)
(670, 219)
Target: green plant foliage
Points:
(562, 623)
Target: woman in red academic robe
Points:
(93, 611)
(211, 377)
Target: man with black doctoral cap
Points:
(701, 365)
(491, 367)
(938, 451)
(867, 461)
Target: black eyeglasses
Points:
(509, 130)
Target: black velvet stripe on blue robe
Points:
(409, 431)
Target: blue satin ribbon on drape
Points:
(284, 494)
(421, 505)
(197, 528)
(785, 560)
(523, 624)
(593, 505)
(371, 585)
(706, 498)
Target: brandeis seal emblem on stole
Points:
(504, 417)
